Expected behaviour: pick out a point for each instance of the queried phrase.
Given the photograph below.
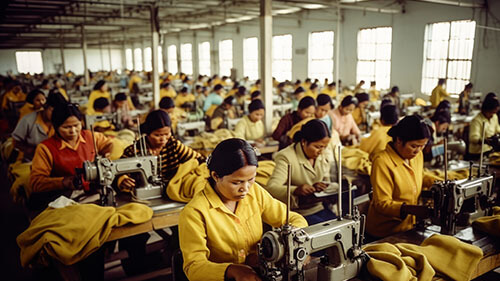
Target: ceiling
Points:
(34, 24)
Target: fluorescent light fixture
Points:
(287, 11)
(312, 6)
(55, 26)
(242, 18)
(101, 27)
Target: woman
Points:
(159, 141)
(310, 169)
(323, 110)
(220, 227)
(378, 139)
(397, 177)
(344, 123)
(251, 127)
(463, 100)
(53, 171)
(34, 102)
(100, 91)
(439, 121)
(35, 127)
(306, 109)
(359, 113)
(489, 118)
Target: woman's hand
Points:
(252, 260)
(127, 183)
(241, 272)
(304, 190)
(68, 182)
(320, 186)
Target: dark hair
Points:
(217, 87)
(120, 97)
(323, 99)
(229, 156)
(155, 120)
(298, 91)
(394, 89)
(441, 81)
(100, 103)
(241, 90)
(62, 111)
(313, 86)
(386, 101)
(411, 128)
(165, 85)
(255, 94)
(332, 84)
(361, 97)
(255, 105)
(197, 87)
(443, 105)
(469, 86)
(44, 82)
(306, 102)
(312, 131)
(229, 100)
(54, 99)
(32, 95)
(99, 84)
(236, 85)
(184, 90)
(348, 100)
(389, 114)
(281, 85)
(442, 116)
(257, 82)
(373, 83)
(166, 103)
(297, 82)
(490, 103)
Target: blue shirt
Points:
(211, 99)
(328, 120)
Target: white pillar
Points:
(62, 54)
(84, 51)
(195, 57)
(266, 37)
(155, 27)
(337, 53)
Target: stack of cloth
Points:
(438, 255)
(438, 175)
(70, 232)
(208, 141)
(489, 224)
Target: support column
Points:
(196, 57)
(337, 53)
(266, 37)
(101, 56)
(155, 28)
(109, 55)
(143, 46)
(133, 56)
(84, 51)
(178, 49)
(124, 56)
(62, 54)
(164, 51)
(214, 54)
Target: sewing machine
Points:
(282, 109)
(113, 118)
(182, 128)
(231, 123)
(371, 117)
(284, 251)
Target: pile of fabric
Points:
(489, 224)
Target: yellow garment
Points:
(356, 159)
(187, 181)
(12, 97)
(93, 96)
(297, 127)
(212, 237)
(63, 93)
(438, 175)
(489, 224)
(359, 115)
(167, 93)
(133, 80)
(374, 94)
(438, 95)
(311, 94)
(72, 233)
(332, 93)
(253, 89)
(208, 141)
(248, 130)
(26, 109)
(420, 102)
(394, 182)
(211, 110)
(19, 173)
(377, 141)
(6, 149)
(476, 132)
(442, 254)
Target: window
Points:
(282, 57)
(374, 56)
(128, 59)
(187, 58)
(172, 59)
(251, 58)
(29, 62)
(138, 59)
(225, 57)
(320, 64)
(448, 54)
(204, 58)
(148, 61)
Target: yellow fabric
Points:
(438, 94)
(63, 93)
(72, 233)
(297, 127)
(6, 149)
(489, 224)
(438, 175)
(211, 110)
(135, 79)
(332, 93)
(359, 115)
(19, 173)
(394, 182)
(208, 141)
(264, 172)
(26, 109)
(211, 237)
(476, 132)
(182, 99)
(303, 172)
(253, 89)
(248, 130)
(420, 102)
(356, 159)
(311, 94)
(376, 142)
(374, 94)
(441, 254)
(12, 97)
(167, 93)
(92, 97)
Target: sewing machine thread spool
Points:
(339, 203)
(288, 184)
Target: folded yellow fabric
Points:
(489, 224)
(264, 172)
(440, 254)
(19, 173)
(356, 159)
(210, 140)
(438, 175)
(72, 233)
(297, 127)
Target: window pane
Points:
(251, 58)
(320, 64)
(374, 56)
(128, 59)
(160, 59)
(172, 59)
(225, 57)
(147, 59)
(187, 59)
(282, 57)
(204, 58)
(138, 59)
(29, 62)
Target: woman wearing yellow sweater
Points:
(220, 227)
(100, 91)
(251, 127)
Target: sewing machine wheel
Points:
(271, 247)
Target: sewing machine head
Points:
(114, 118)
(283, 251)
(103, 171)
(182, 128)
(458, 203)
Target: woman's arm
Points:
(40, 179)
(281, 129)
(185, 152)
(276, 185)
(103, 143)
(274, 211)
(239, 129)
(383, 186)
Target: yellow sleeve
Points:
(274, 211)
(475, 131)
(277, 182)
(239, 130)
(356, 114)
(103, 143)
(41, 168)
(383, 186)
(130, 104)
(193, 244)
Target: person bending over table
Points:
(220, 227)
(344, 123)
(310, 170)
(488, 116)
(306, 109)
(53, 170)
(251, 127)
(397, 176)
(34, 102)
